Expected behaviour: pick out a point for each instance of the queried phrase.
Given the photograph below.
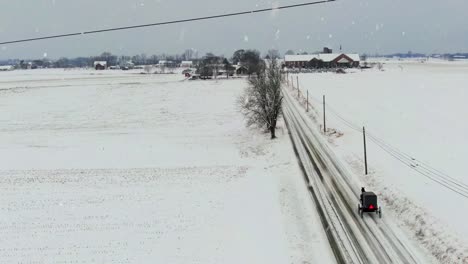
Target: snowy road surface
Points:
(112, 167)
(336, 193)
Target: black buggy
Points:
(369, 204)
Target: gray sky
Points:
(370, 26)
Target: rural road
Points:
(335, 193)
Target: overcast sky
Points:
(364, 26)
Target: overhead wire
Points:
(417, 165)
(248, 12)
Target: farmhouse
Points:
(7, 68)
(100, 65)
(241, 70)
(186, 64)
(166, 63)
(322, 60)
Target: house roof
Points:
(186, 62)
(100, 62)
(299, 57)
(240, 67)
(326, 57)
(354, 56)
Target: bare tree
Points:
(188, 54)
(290, 52)
(251, 59)
(380, 66)
(261, 102)
(162, 68)
(228, 68)
(273, 54)
(148, 68)
(238, 56)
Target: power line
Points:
(420, 167)
(167, 22)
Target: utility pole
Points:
(365, 149)
(324, 117)
(298, 95)
(307, 101)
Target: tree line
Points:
(249, 58)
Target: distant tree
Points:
(273, 54)
(154, 59)
(364, 59)
(137, 60)
(108, 57)
(209, 65)
(148, 68)
(80, 62)
(261, 102)
(38, 63)
(228, 67)
(251, 59)
(215, 63)
(237, 56)
(162, 68)
(188, 54)
(62, 63)
(380, 66)
(170, 57)
(144, 59)
(290, 52)
(123, 60)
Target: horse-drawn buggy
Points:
(369, 204)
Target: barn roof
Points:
(325, 57)
(354, 56)
(300, 57)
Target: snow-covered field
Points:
(417, 146)
(113, 167)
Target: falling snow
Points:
(277, 34)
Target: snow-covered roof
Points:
(165, 62)
(326, 57)
(100, 63)
(354, 56)
(187, 62)
(299, 57)
(238, 66)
